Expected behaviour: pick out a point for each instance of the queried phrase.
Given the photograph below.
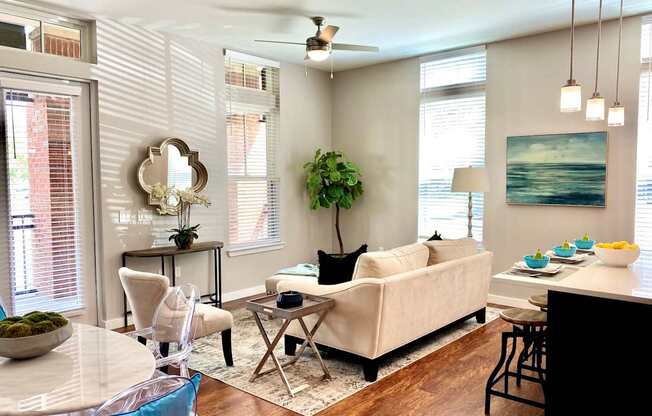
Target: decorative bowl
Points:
(34, 345)
(617, 258)
(585, 244)
(536, 263)
(565, 252)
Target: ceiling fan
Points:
(320, 46)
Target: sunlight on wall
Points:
(152, 86)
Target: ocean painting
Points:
(557, 169)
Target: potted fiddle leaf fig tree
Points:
(333, 181)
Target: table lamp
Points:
(470, 180)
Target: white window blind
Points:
(644, 148)
(451, 134)
(41, 208)
(252, 120)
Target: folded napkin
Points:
(550, 268)
(303, 269)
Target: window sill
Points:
(254, 249)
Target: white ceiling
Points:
(401, 28)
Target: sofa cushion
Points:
(446, 250)
(387, 263)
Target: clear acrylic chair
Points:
(162, 396)
(172, 324)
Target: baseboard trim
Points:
(509, 301)
(226, 297)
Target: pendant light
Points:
(571, 93)
(617, 111)
(595, 104)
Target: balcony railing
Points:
(22, 226)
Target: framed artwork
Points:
(557, 169)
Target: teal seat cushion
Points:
(176, 403)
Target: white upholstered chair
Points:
(145, 291)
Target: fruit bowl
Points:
(565, 252)
(617, 257)
(585, 244)
(34, 345)
(536, 263)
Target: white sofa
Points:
(397, 297)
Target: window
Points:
(42, 33)
(644, 148)
(252, 121)
(451, 135)
(39, 135)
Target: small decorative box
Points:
(289, 299)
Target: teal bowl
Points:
(585, 244)
(565, 252)
(536, 263)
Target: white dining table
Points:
(82, 373)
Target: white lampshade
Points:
(595, 108)
(616, 115)
(571, 98)
(318, 55)
(470, 180)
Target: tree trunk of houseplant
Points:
(337, 228)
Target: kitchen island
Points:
(599, 342)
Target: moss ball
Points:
(57, 319)
(34, 317)
(18, 330)
(43, 327)
(14, 319)
(3, 328)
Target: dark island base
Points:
(599, 356)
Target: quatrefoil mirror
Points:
(171, 164)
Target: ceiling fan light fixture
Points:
(318, 55)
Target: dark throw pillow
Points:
(336, 269)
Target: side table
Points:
(267, 305)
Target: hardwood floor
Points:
(448, 382)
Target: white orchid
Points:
(186, 199)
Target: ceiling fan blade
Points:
(328, 33)
(280, 41)
(359, 48)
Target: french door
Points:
(46, 206)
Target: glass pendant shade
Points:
(571, 98)
(318, 55)
(595, 108)
(616, 115)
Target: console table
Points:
(173, 251)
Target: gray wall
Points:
(375, 122)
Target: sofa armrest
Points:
(353, 323)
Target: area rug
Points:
(347, 379)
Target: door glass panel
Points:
(45, 238)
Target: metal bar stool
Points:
(528, 325)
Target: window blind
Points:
(42, 205)
(451, 134)
(252, 121)
(644, 148)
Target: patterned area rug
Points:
(347, 379)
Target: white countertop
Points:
(631, 284)
(83, 372)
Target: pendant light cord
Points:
(597, 55)
(620, 38)
(572, 39)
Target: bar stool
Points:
(540, 301)
(528, 325)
